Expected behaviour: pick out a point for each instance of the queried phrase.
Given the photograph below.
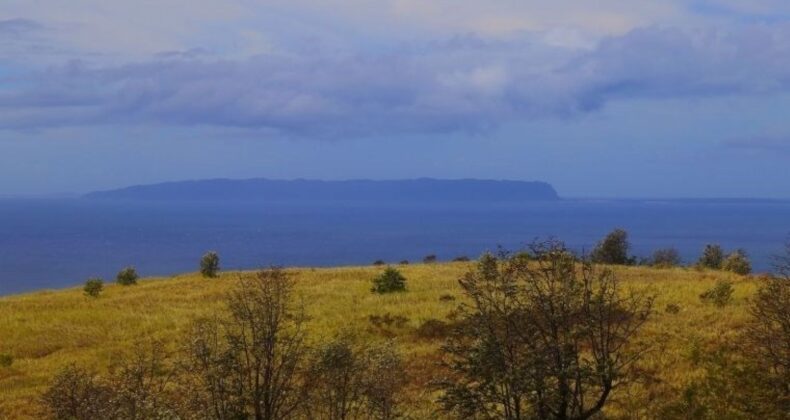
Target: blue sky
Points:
(657, 98)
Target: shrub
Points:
(384, 379)
(6, 360)
(432, 329)
(209, 264)
(666, 258)
(391, 280)
(93, 287)
(127, 277)
(672, 308)
(737, 262)
(379, 262)
(712, 257)
(404, 262)
(462, 258)
(720, 294)
(77, 394)
(613, 249)
(430, 259)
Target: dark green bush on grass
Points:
(712, 257)
(613, 249)
(6, 360)
(462, 258)
(379, 262)
(93, 287)
(391, 280)
(737, 262)
(127, 277)
(720, 294)
(209, 264)
(430, 259)
(666, 258)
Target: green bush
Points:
(462, 258)
(430, 259)
(404, 262)
(6, 360)
(720, 294)
(613, 249)
(127, 277)
(666, 258)
(209, 264)
(93, 287)
(391, 280)
(737, 262)
(712, 257)
(379, 262)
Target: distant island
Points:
(423, 189)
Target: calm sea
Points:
(51, 243)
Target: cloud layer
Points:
(465, 83)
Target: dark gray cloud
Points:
(467, 83)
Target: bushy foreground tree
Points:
(613, 249)
(548, 339)
(209, 264)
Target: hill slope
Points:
(423, 189)
(44, 331)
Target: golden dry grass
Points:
(43, 331)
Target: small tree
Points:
(379, 262)
(209, 264)
(613, 249)
(127, 277)
(737, 262)
(384, 379)
(712, 257)
(666, 258)
(337, 374)
(93, 287)
(391, 280)
(430, 259)
(543, 339)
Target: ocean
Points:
(53, 243)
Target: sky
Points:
(613, 98)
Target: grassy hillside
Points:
(44, 331)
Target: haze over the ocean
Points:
(615, 98)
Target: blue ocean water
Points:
(51, 243)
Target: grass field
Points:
(45, 330)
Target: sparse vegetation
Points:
(209, 264)
(46, 331)
(127, 276)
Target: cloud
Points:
(465, 83)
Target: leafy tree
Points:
(712, 257)
(737, 262)
(385, 378)
(127, 276)
(666, 258)
(391, 280)
(209, 264)
(548, 339)
(93, 287)
(613, 249)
